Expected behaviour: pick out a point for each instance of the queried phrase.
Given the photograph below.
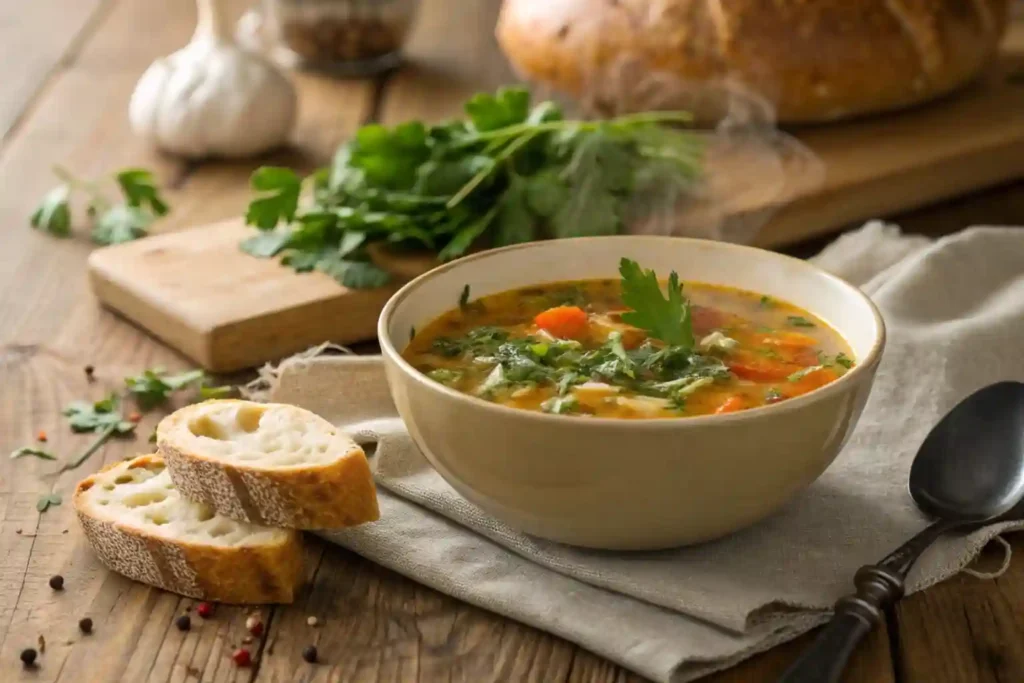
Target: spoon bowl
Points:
(971, 465)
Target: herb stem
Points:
(88, 453)
(550, 126)
(481, 175)
(89, 187)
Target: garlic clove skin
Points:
(213, 99)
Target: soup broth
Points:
(577, 348)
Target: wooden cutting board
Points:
(226, 310)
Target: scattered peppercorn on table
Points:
(63, 618)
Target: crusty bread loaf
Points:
(140, 526)
(268, 463)
(814, 60)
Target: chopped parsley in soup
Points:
(630, 348)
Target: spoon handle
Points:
(855, 616)
(878, 586)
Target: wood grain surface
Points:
(77, 61)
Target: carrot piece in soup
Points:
(565, 322)
(759, 369)
(731, 405)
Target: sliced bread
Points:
(140, 526)
(268, 463)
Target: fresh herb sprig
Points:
(106, 419)
(112, 222)
(505, 174)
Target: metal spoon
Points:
(969, 469)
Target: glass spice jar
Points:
(354, 37)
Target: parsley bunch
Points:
(505, 174)
(111, 222)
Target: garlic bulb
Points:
(213, 98)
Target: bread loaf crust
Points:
(258, 574)
(320, 496)
(815, 60)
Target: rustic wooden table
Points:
(71, 65)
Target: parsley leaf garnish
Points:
(102, 416)
(154, 387)
(140, 191)
(667, 319)
(53, 214)
(112, 223)
(280, 198)
(121, 224)
(48, 500)
(799, 321)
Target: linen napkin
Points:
(955, 315)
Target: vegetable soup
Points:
(631, 347)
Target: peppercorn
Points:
(309, 654)
(89, 371)
(254, 626)
(28, 656)
(242, 657)
(183, 622)
(205, 610)
(85, 625)
(57, 582)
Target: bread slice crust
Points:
(333, 490)
(267, 569)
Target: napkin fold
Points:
(954, 310)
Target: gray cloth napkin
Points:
(955, 315)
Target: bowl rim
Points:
(862, 369)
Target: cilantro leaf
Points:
(98, 417)
(140, 190)
(266, 244)
(507, 107)
(352, 274)
(390, 158)
(154, 387)
(546, 192)
(514, 223)
(280, 199)
(121, 223)
(667, 319)
(53, 215)
(35, 452)
(799, 321)
(48, 500)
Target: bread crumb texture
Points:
(141, 526)
(272, 464)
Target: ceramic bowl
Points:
(630, 484)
